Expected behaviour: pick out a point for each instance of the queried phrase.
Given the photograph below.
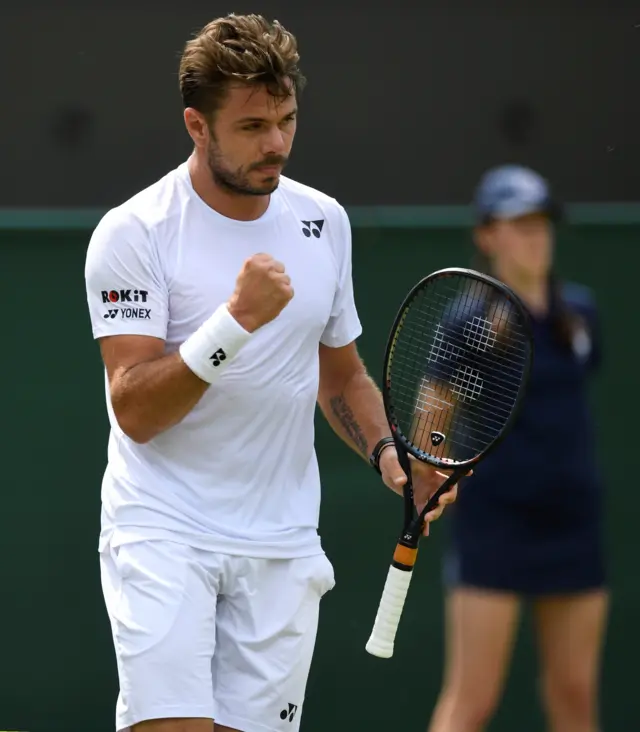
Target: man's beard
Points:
(237, 181)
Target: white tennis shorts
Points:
(200, 634)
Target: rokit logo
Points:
(113, 296)
(128, 314)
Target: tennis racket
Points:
(455, 370)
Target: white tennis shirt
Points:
(239, 474)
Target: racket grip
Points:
(383, 635)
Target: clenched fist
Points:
(263, 290)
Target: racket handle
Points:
(383, 636)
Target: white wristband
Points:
(212, 347)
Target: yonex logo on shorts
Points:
(291, 712)
(218, 357)
(124, 296)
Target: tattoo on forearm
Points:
(346, 418)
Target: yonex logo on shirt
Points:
(312, 227)
(218, 357)
(129, 314)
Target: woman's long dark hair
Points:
(566, 323)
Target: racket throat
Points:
(435, 498)
(413, 533)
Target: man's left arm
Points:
(352, 404)
(349, 398)
(347, 390)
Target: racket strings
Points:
(475, 436)
(456, 367)
(465, 385)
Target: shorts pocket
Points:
(324, 575)
(153, 589)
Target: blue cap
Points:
(510, 191)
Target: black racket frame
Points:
(414, 522)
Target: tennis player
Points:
(223, 303)
(531, 524)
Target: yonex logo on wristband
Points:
(218, 357)
(202, 351)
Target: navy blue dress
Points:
(530, 518)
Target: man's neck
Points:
(226, 203)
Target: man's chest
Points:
(206, 270)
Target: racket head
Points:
(456, 367)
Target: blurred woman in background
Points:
(529, 524)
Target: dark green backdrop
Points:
(57, 672)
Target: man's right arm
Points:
(129, 307)
(128, 303)
(150, 392)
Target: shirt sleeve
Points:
(126, 290)
(344, 325)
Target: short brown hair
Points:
(245, 49)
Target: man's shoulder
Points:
(304, 196)
(149, 208)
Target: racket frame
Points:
(381, 642)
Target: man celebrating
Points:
(222, 300)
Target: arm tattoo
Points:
(345, 416)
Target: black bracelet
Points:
(374, 459)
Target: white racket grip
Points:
(383, 635)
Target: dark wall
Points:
(57, 672)
(407, 102)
